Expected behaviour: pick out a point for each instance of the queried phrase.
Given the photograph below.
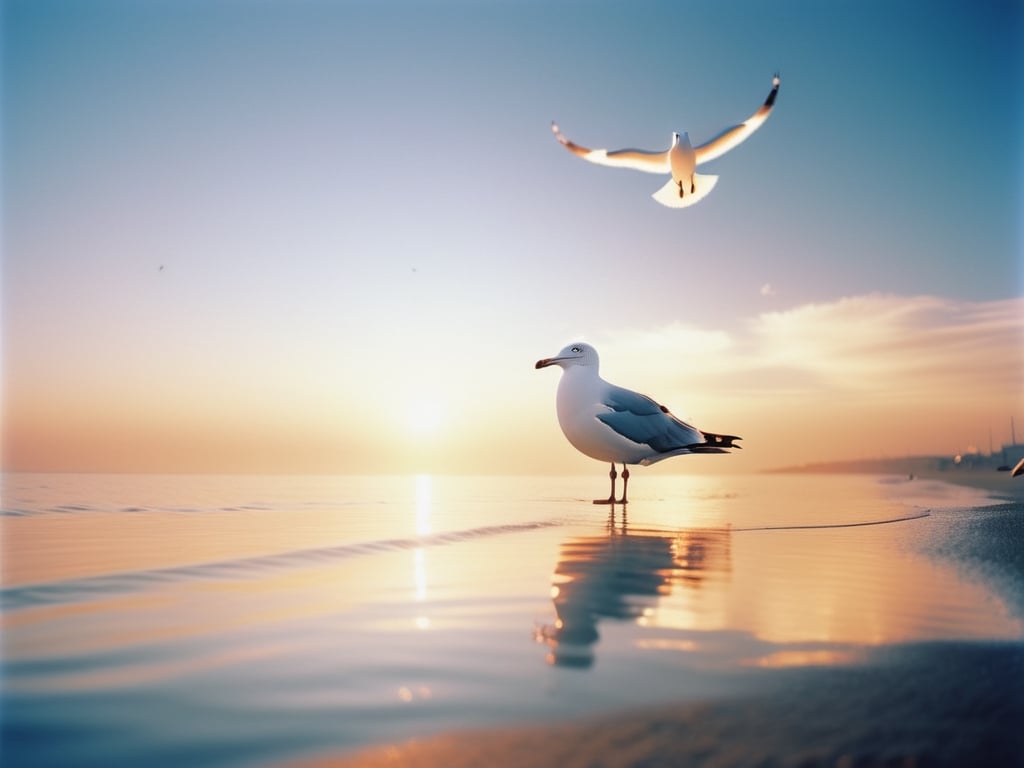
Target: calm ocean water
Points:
(169, 620)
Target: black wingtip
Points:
(770, 101)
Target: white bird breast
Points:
(578, 402)
(683, 162)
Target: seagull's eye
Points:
(577, 350)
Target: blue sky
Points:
(360, 212)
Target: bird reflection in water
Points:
(621, 576)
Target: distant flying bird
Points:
(686, 186)
(617, 425)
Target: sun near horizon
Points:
(815, 384)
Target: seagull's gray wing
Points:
(637, 159)
(640, 419)
(730, 137)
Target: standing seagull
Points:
(686, 186)
(612, 424)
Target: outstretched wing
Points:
(640, 419)
(637, 159)
(731, 137)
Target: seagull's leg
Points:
(611, 499)
(680, 188)
(625, 482)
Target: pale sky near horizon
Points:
(336, 236)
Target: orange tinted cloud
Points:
(863, 376)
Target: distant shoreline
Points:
(916, 467)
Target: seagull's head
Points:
(576, 353)
(681, 138)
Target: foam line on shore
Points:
(918, 516)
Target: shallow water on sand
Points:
(172, 620)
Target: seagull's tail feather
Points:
(714, 443)
(669, 194)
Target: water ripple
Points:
(94, 587)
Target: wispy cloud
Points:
(877, 342)
(857, 376)
(896, 346)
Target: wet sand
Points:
(921, 704)
(934, 705)
(1000, 484)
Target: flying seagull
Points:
(617, 425)
(686, 186)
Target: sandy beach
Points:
(914, 705)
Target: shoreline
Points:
(1002, 483)
(1008, 488)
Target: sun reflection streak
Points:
(423, 493)
(806, 658)
(420, 573)
(423, 528)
